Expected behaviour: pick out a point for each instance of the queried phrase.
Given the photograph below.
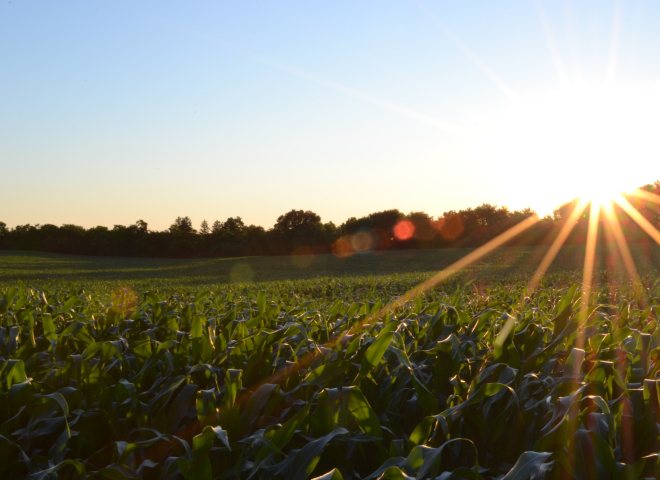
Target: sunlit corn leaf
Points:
(374, 354)
(536, 465)
(333, 474)
(301, 463)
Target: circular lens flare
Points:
(404, 230)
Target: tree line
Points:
(303, 231)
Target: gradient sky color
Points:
(115, 111)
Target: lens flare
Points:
(404, 230)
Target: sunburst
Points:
(593, 141)
(600, 209)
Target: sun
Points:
(586, 140)
(601, 192)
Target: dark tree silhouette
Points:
(3, 233)
(182, 226)
(142, 226)
(228, 238)
(297, 220)
(302, 231)
(298, 230)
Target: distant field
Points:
(33, 267)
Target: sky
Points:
(116, 111)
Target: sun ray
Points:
(624, 250)
(349, 91)
(538, 274)
(354, 93)
(614, 268)
(613, 224)
(477, 254)
(488, 72)
(621, 242)
(455, 267)
(614, 263)
(588, 271)
(613, 56)
(638, 217)
(583, 313)
(540, 271)
(644, 195)
(442, 275)
(472, 56)
(551, 44)
(558, 242)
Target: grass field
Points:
(35, 267)
(292, 368)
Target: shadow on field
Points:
(31, 266)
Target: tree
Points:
(296, 221)
(234, 226)
(204, 228)
(487, 215)
(385, 220)
(382, 221)
(3, 233)
(423, 223)
(142, 226)
(182, 226)
(378, 225)
(298, 228)
(229, 237)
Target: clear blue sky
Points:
(114, 111)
